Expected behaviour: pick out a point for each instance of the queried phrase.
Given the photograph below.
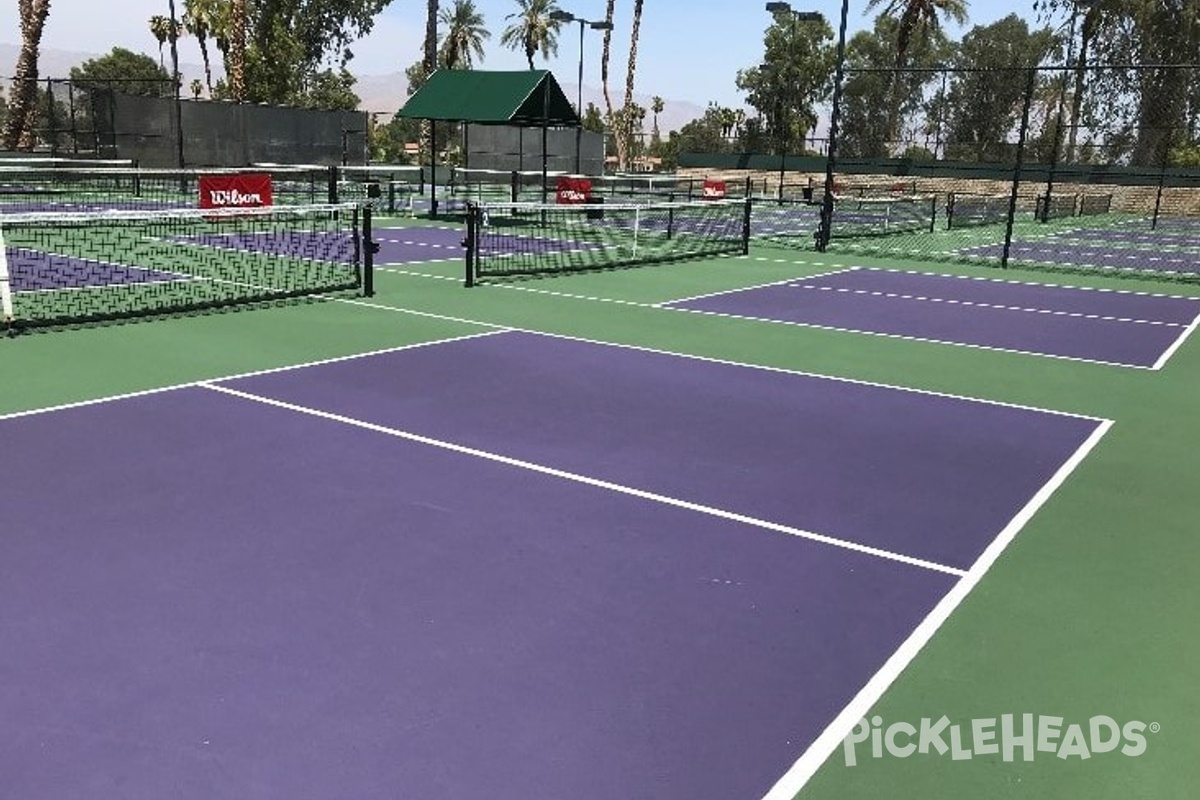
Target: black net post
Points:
(1031, 82)
(471, 243)
(369, 248)
(333, 185)
(746, 205)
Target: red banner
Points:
(572, 191)
(713, 190)
(241, 190)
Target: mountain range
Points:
(384, 94)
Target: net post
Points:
(514, 186)
(369, 249)
(333, 185)
(7, 315)
(746, 204)
(932, 212)
(471, 243)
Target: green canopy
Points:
(527, 98)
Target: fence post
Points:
(1020, 163)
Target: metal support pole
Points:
(825, 231)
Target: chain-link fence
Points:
(141, 121)
(1066, 168)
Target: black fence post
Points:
(369, 248)
(1018, 166)
(471, 242)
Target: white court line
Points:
(1183, 337)
(788, 786)
(666, 306)
(950, 301)
(588, 481)
(908, 338)
(752, 287)
(237, 376)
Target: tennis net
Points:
(1056, 206)
(69, 268)
(72, 188)
(879, 216)
(511, 239)
(965, 210)
(1090, 204)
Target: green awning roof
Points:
(527, 98)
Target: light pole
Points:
(777, 8)
(558, 15)
(825, 231)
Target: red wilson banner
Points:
(572, 191)
(247, 190)
(713, 190)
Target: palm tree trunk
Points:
(18, 129)
(608, 17)
(625, 128)
(207, 64)
(237, 51)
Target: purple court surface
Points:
(339, 583)
(34, 270)
(1114, 255)
(1112, 327)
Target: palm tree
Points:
(160, 27)
(657, 104)
(23, 98)
(430, 46)
(201, 18)
(236, 52)
(626, 129)
(916, 18)
(608, 106)
(465, 35)
(533, 30)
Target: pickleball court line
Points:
(751, 287)
(1184, 335)
(501, 328)
(950, 301)
(910, 338)
(498, 328)
(587, 481)
(795, 779)
(664, 306)
(238, 376)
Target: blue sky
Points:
(687, 51)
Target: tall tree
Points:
(987, 91)
(532, 30)
(657, 104)
(795, 74)
(130, 72)
(465, 35)
(429, 62)
(867, 123)
(236, 66)
(160, 29)
(916, 19)
(201, 18)
(625, 120)
(17, 127)
(605, 55)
